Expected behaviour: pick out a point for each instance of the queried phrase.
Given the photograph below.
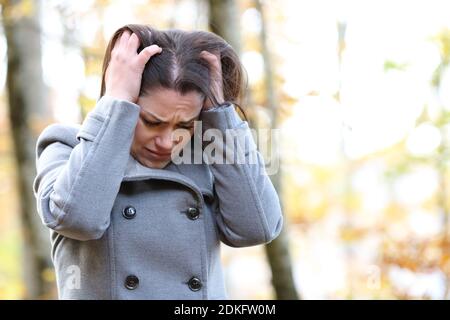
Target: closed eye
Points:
(150, 123)
(187, 126)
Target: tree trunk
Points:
(278, 250)
(27, 101)
(224, 20)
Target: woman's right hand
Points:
(124, 72)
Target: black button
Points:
(131, 282)
(193, 213)
(129, 212)
(195, 284)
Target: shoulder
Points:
(58, 132)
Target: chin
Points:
(159, 165)
(153, 164)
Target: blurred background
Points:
(358, 90)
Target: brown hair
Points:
(179, 65)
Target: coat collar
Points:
(197, 177)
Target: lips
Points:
(158, 155)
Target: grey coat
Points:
(121, 230)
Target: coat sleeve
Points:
(79, 173)
(248, 210)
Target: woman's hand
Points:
(216, 78)
(124, 73)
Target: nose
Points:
(165, 142)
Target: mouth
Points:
(157, 155)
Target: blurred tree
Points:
(278, 250)
(27, 113)
(423, 255)
(347, 166)
(224, 20)
(442, 40)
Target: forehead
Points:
(166, 103)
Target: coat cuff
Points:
(104, 109)
(221, 117)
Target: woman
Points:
(127, 221)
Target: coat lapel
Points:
(197, 177)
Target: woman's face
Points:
(162, 112)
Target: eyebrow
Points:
(162, 121)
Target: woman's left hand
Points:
(216, 78)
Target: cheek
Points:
(142, 135)
(182, 139)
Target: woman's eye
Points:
(188, 127)
(149, 123)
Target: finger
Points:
(215, 65)
(118, 42)
(133, 43)
(209, 56)
(147, 53)
(124, 39)
(212, 59)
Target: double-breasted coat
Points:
(120, 230)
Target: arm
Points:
(248, 211)
(77, 181)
